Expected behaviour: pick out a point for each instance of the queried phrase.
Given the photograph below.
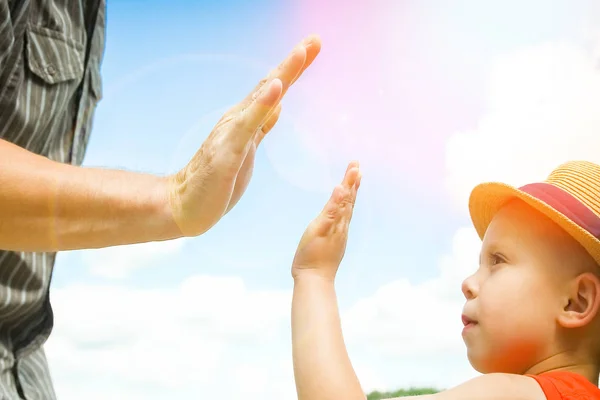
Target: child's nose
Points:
(469, 288)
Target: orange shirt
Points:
(559, 385)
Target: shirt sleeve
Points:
(548, 386)
(566, 386)
(7, 37)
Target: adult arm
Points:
(50, 206)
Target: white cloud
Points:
(118, 262)
(197, 340)
(542, 110)
(404, 324)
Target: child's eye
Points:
(497, 259)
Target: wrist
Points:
(103, 208)
(312, 277)
(162, 210)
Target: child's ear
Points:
(582, 303)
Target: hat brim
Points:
(488, 198)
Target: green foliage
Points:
(400, 393)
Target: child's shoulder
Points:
(496, 386)
(562, 385)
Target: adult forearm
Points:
(49, 206)
(322, 368)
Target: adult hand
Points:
(218, 174)
(323, 244)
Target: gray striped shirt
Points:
(48, 94)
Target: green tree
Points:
(400, 393)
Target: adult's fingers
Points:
(313, 48)
(268, 125)
(256, 109)
(291, 68)
(312, 44)
(250, 119)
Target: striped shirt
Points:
(50, 57)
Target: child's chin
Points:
(489, 365)
(482, 363)
(475, 361)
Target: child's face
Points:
(515, 296)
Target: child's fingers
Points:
(350, 176)
(338, 210)
(330, 213)
(350, 188)
(349, 184)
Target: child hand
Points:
(323, 244)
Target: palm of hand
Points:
(219, 173)
(322, 247)
(244, 175)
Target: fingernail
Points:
(309, 40)
(272, 83)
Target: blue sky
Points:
(419, 92)
(183, 65)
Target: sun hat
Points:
(570, 197)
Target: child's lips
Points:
(468, 322)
